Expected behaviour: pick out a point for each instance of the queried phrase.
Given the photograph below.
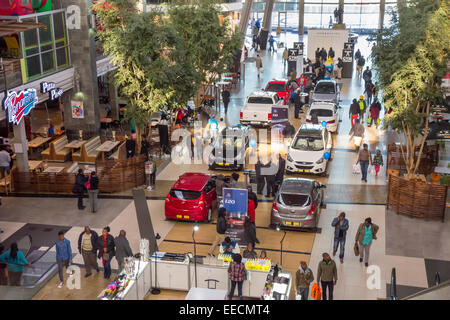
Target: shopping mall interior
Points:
(97, 175)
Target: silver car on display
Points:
(297, 204)
(326, 91)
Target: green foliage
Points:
(211, 45)
(154, 69)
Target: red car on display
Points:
(279, 86)
(192, 198)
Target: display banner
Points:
(280, 115)
(299, 47)
(77, 109)
(347, 60)
(235, 204)
(18, 105)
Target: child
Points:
(377, 162)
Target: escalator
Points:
(42, 267)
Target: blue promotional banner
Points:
(235, 201)
(280, 115)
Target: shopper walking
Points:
(87, 247)
(377, 162)
(260, 181)
(5, 161)
(252, 196)
(331, 53)
(226, 99)
(15, 260)
(357, 133)
(150, 173)
(368, 91)
(123, 249)
(259, 65)
(63, 255)
(367, 75)
(271, 44)
(250, 230)
(340, 66)
(3, 275)
(130, 146)
(354, 112)
(362, 107)
(285, 57)
(360, 65)
(326, 273)
(280, 173)
(374, 110)
(106, 251)
(364, 159)
(145, 146)
(221, 228)
(340, 225)
(303, 279)
(366, 233)
(78, 189)
(92, 186)
(237, 275)
(357, 55)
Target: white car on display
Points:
(310, 150)
(325, 111)
(258, 108)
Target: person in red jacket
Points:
(251, 210)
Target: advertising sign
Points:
(235, 204)
(292, 54)
(77, 110)
(53, 92)
(299, 47)
(280, 115)
(18, 105)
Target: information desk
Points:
(132, 286)
(211, 273)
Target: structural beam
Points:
(301, 17)
(267, 23)
(382, 12)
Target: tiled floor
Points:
(417, 249)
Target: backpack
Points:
(316, 292)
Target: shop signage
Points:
(349, 46)
(53, 92)
(235, 201)
(299, 47)
(347, 56)
(292, 54)
(18, 105)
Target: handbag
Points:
(356, 249)
(261, 70)
(87, 185)
(356, 169)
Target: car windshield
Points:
(294, 199)
(323, 112)
(308, 143)
(325, 88)
(276, 87)
(185, 194)
(260, 100)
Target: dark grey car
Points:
(297, 204)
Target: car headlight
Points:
(319, 161)
(289, 158)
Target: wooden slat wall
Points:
(416, 198)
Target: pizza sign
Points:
(18, 105)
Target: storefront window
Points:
(46, 49)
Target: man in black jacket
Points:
(87, 243)
(145, 147)
(79, 187)
(259, 178)
(280, 173)
(93, 191)
(252, 196)
(354, 112)
(323, 55)
(226, 99)
(331, 53)
(221, 228)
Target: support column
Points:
(245, 17)
(301, 17)
(20, 137)
(382, 12)
(267, 23)
(84, 59)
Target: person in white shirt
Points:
(5, 162)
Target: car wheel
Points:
(209, 217)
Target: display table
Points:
(206, 294)
(130, 286)
(279, 287)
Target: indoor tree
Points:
(411, 59)
(210, 41)
(154, 69)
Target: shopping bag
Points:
(378, 121)
(356, 249)
(316, 291)
(356, 169)
(261, 70)
(372, 170)
(298, 297)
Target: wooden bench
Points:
(88, 153)
(73, 168)
(121, 152)
(58, 151)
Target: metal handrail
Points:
(393, 288)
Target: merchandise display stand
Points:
(277, 287)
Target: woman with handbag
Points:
(78, 188)
(106, 250)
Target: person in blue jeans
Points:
(340, 225)
(107, 250)
(15, 261)
(63, 256)
(364, 159)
